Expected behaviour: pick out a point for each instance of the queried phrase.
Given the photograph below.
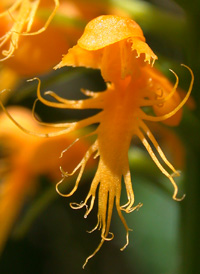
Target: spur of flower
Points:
(117, 47)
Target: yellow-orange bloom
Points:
(23, 159)
(117, 47)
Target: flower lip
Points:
(108, 29)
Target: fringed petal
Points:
(142, 48)
(80, 57)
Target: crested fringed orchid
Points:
(116, 46)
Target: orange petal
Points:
(168, 106)
(79, 57)
(108, 29)
(162, 87)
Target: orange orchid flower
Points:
(117, 47)
(25, 158)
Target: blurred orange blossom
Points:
(25, 157)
